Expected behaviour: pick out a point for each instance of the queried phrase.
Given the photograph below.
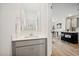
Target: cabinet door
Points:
(33, 50)
(39, 50)
(24, 51)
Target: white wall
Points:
(8, 14)
(49, 29)
(62, 10)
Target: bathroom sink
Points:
(30, 35)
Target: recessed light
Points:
(77, 9)
(69, 14)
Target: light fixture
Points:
(69, 15)
(51, 6)
(77, 9)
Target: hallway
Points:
(62, 48)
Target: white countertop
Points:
(34, 36)
(71, 31)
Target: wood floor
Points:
(63, 48)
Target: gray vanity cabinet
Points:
(34, 47)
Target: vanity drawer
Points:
(29, 42)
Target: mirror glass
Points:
(27, 22)
(30, 21)
(72, 23)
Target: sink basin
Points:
(30, 35)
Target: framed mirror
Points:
(30, 21)
(72, 23)
(27, 22)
